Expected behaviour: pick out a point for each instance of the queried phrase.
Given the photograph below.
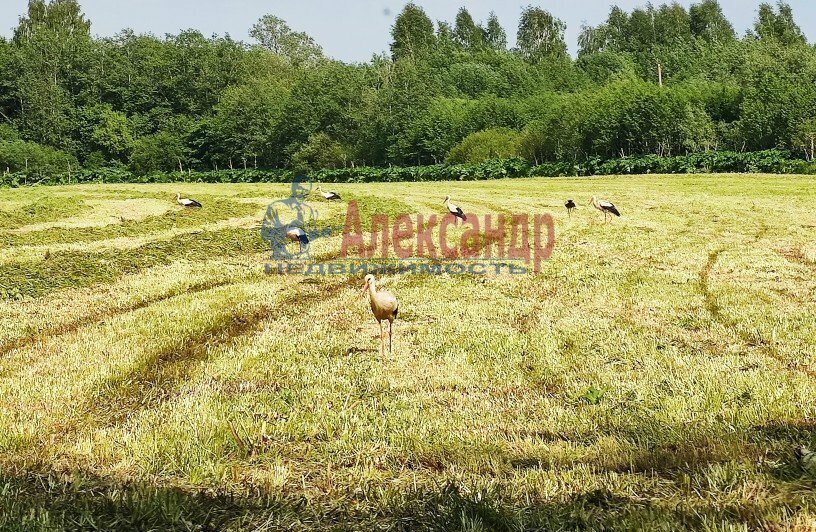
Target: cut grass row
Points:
(72, 269)
(217, 210)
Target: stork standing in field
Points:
(329, 196)
(569, 205)
(187, 202)
(454, 210)
(384, 306)
(606, 207)
(296, 234)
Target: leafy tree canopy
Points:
(449, 90)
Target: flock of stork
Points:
(384, 305)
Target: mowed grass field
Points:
(658, 374)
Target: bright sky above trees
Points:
(355, 29)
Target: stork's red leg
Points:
(382, 340)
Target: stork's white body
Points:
(455, 210)
(606, 207)
(187, 202)
(329, 196)
(296, 234)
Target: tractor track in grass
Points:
(153, 382)
(711, 303)
(797, 256)
(713, 307)
(158, 379)
(42, 336)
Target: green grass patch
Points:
(216, 210)
(369, 206)
(74, 269)
(44, 209)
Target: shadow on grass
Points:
(34, 501)
(781, 439)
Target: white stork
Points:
(606, 207)
(384, 306)
(187, 202)
(570, 205)
(454, 210)
(296, 234)
(329, 196)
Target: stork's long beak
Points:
(363, 291)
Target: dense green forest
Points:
(660, 81)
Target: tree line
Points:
(660, 81)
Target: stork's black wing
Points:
(608, 207)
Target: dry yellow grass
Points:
(659, 372)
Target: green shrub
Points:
(320, 151)
(499, 143)
(163, 151)
(770, 161)
(8, 133)
(35, 160)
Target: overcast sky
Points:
(353, 30)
